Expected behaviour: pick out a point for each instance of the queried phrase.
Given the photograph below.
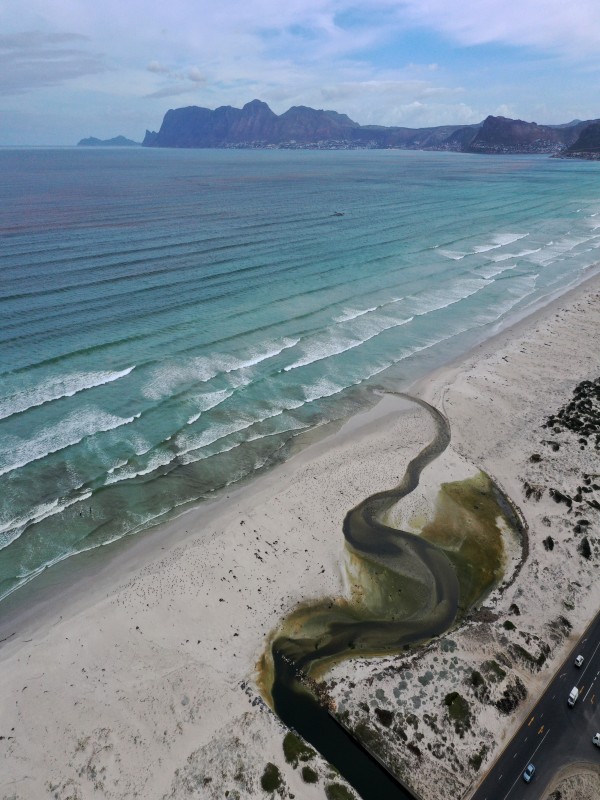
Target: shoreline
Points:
(65, 577)
(143, 649)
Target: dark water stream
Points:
(414, 590)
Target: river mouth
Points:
(408, 585)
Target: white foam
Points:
(453, 255)
(434, 300)
(518, 290)
(327, 349)
(56, 389)
(499, 240)
(522, 254)
(321, 390)
(554, 250)
(166, 380)
(491, 272)
(265, 356)
(11, 530)
(70, 431)
(210, 400)
(350, 314)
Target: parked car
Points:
(528, 774)
(579, 661)
(596, 740)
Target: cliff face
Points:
(587, 144)
(255, 125)
(502, 135)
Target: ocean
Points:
(174, 321)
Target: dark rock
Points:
(116, 141)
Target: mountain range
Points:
(256, 125)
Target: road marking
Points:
(588, 691)
(562, 675)
(589, 660)
(528, 762)
(541, 730)
(530, 721)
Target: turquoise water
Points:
(171, 321)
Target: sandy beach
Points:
(139, 677)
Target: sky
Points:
(76, 68)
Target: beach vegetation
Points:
(459, 712)
(384, 716)
(584, 548)
(271, 779)
(335, 791)
(523, 655)
(548, 543)
(512, 697)
(477, 758)
(309, 775)
(508, 625)
(494, 671)
(477, 679)
(295, 749)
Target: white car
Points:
(596, 740)
(579, 661)
(528, 774)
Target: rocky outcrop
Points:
(116, 141)
(503, 135)
(587, 145)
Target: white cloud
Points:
(32, 59)
(194, 74)
(568, 28)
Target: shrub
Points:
(309, 775)
(295, 749)
(458, 711)
(335, 791)
(271, 778)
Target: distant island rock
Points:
(116, 141)
(300, 127)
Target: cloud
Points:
(32, 59)
(195, 75)
(171, 91)
(158, 68)
(569, 29)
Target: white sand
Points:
(138, 681)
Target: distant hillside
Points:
(116, 141)
(502, 135)
(256, 125)
(587, 145)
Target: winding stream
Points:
(412, 588)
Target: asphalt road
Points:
(554, 734)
